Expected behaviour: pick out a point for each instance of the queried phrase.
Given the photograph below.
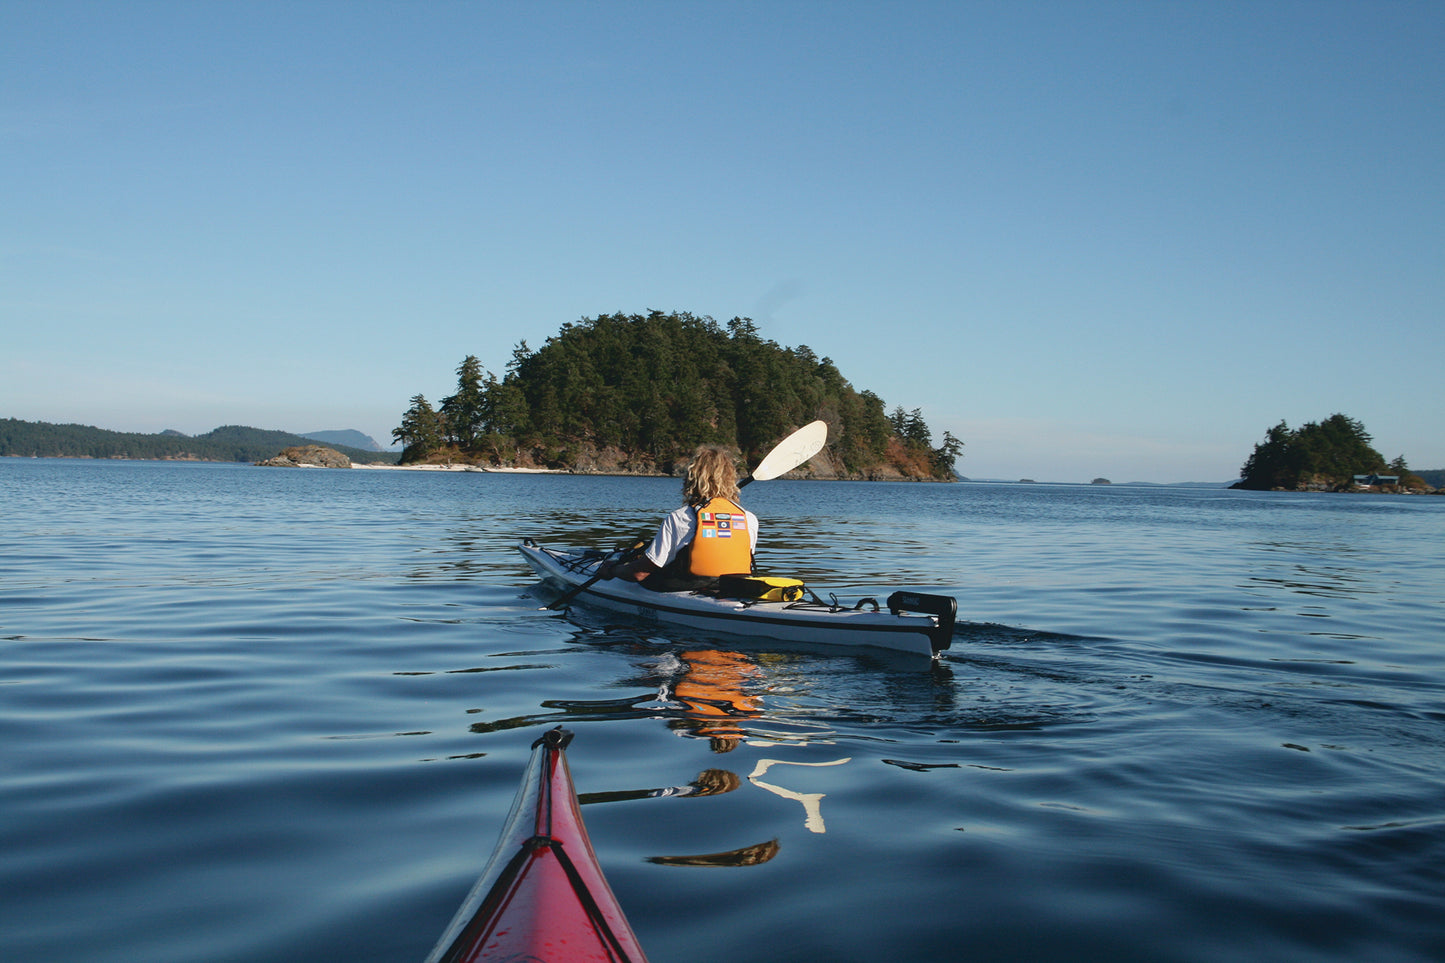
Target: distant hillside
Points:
(38, 439)
(1184, 484)
(1435, 478)
(347, 436)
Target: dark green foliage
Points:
(1410, 479)
(1325, 454)
(464, 413)
(227, 443)
(656, 386)
(421, 431)
(910, 426)
(947, 454)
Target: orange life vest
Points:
(723, 543)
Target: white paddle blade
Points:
(792, 451)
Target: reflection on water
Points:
(709, 782)
(702, 693)
(713, 691)
(746, 856)
(812, 801)
(919, 766)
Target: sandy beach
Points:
(459, 468)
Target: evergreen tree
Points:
(910, 426)
(947, 454)
(465, 412)
(1274, 463)
(420, 433)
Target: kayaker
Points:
(710, 535)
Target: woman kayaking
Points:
(710, 535)
(694, 542)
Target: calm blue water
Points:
(265, 714)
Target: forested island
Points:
(38, 439)
(1336, 454)
(635, 394)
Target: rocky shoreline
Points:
(319, 456)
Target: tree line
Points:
(39, 439)
(654, 387)
(1319, 455)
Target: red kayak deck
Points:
(543, 896)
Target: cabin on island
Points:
(1371, 481)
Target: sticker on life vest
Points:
(709, 533)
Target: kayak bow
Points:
(543, 896)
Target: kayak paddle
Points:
(791, 452)
(788, 454)
(624, 556)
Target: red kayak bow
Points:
(543, 896)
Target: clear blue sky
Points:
(1088, 238)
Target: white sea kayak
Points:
(906, 621)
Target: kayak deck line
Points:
(907, 621)
(543, 896)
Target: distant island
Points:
(635, 394)
(1335, 455)
(38, 439)
(1434, 477)
(345, 438)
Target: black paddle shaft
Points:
(572, 593)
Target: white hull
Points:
(809, 622)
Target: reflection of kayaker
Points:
(715, 693)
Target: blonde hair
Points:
(711, 475)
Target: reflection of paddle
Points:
(788, 454)
(811, 801)
(747, 856)
(920, 766)
(709, 782)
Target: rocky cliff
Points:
(307, 456)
